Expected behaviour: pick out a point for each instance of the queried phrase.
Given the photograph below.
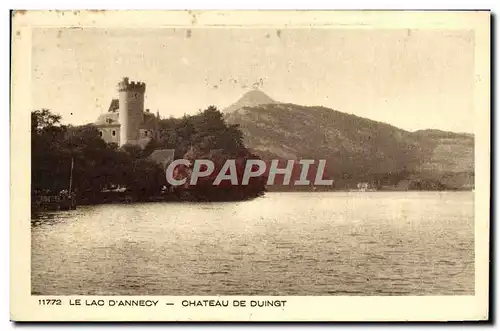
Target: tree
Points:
(49, 170)
(206, 135)
(99, 165)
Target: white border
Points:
(352, 7)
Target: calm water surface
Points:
(380, 243)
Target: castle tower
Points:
(131, 109)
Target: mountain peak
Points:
(250, 99)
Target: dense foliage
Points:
(207, 136)
(99, 166)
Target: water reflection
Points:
(281, 244)
(51, 218)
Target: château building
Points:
(126, 121)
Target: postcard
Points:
(250, 165)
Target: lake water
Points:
(335, 243)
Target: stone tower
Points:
(131, 109)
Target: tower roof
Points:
(111, 117)
(126, 85)
(114, 105)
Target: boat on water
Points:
(363, 187)
(64, 200)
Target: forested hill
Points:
(356, 148)
(77, 159)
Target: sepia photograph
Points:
(270, 160)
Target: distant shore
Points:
(125, 198)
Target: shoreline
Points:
(172, 198)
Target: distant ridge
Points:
(250, 99)
(356, 149)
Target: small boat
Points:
(363, 187)
(64, 200)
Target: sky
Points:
(413, 79)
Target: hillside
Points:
(250, 99)
(356, 149)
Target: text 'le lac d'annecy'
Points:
(184, 303)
